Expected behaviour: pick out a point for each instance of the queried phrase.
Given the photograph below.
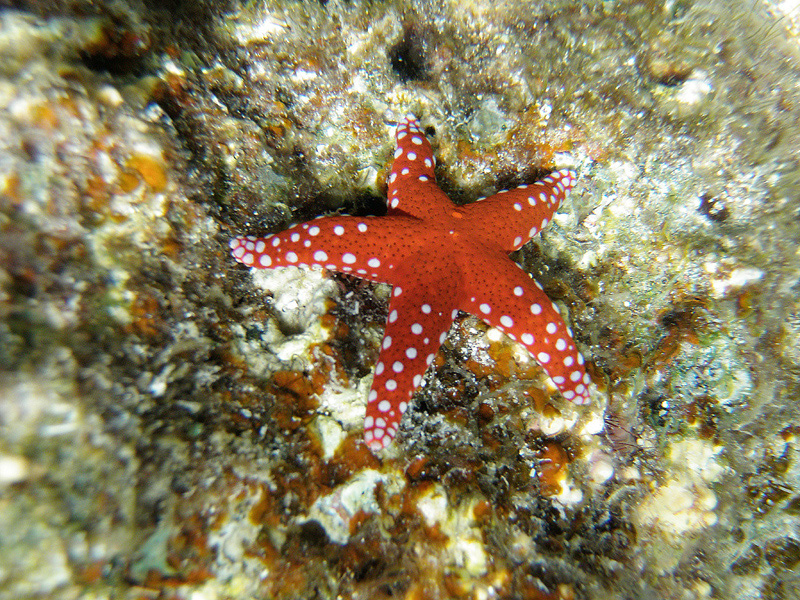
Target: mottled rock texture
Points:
(173, 426)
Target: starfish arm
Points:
(513, 217)
(367, 247)
(412, 182)
(506, 297)
(420, 315)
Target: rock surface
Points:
(172, 425)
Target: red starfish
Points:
(440, 258)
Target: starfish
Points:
(440, 259)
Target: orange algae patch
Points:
(410, 498)
(146, 316)
(10, 189)
(302, 385)
(472, 159)
(329, 321)
(289, 577)
(44, 116)
(552, 468)
(482, 511)
(149, 169)
(357, 521)
(159, 581)
(92, 572)
(485, 413)
(351, 456)
(419, 469)
(295, 394)
(128, 181)
(95, 195)
(537, 397)
(264, 512)
(455, 586)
